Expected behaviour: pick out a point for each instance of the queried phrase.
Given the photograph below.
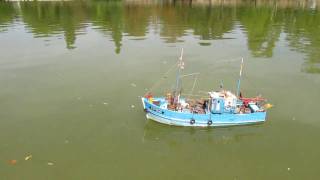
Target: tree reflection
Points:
(211, 22)
(261, 23)
(173, 22)
(108, 17)
(7, 14)
(49, 18)
(302, 28)
(136, 20)
(263, 28)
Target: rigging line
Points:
(194, 84)
(206, 97)
(250, 82)
(163, 78)
(227, 60)
(205, 92)
(192, 74)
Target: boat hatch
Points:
(253, 107)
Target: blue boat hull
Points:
(170, 117)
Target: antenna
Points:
(239, 81)
(180, 67)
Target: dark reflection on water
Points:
(262, 24)
(7, 15)
(46, 18)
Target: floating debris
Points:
(267, 106)
(28, 157)
(66, 141)
(50, 163)
(289, 169)
(133, 85)
(13, 162)
(132, 106)
(105, 103)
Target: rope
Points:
(195, 95)
(245, 77)
(194, 84)
(227, 60)
(163, 78)
(175, 65)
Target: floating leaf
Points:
(28, 157)
(267, 106)
(13, 162)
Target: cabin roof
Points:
(222, 94)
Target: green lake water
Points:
(71, 74)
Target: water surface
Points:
(71, 74)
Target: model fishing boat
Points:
(220, 108)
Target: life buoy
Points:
(209, 122)
(192, 121)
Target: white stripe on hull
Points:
(181, 122)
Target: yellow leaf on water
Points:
(267, 106)
(28, 157)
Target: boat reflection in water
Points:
(172, 134)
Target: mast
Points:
(180, 67)
(240, 74)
